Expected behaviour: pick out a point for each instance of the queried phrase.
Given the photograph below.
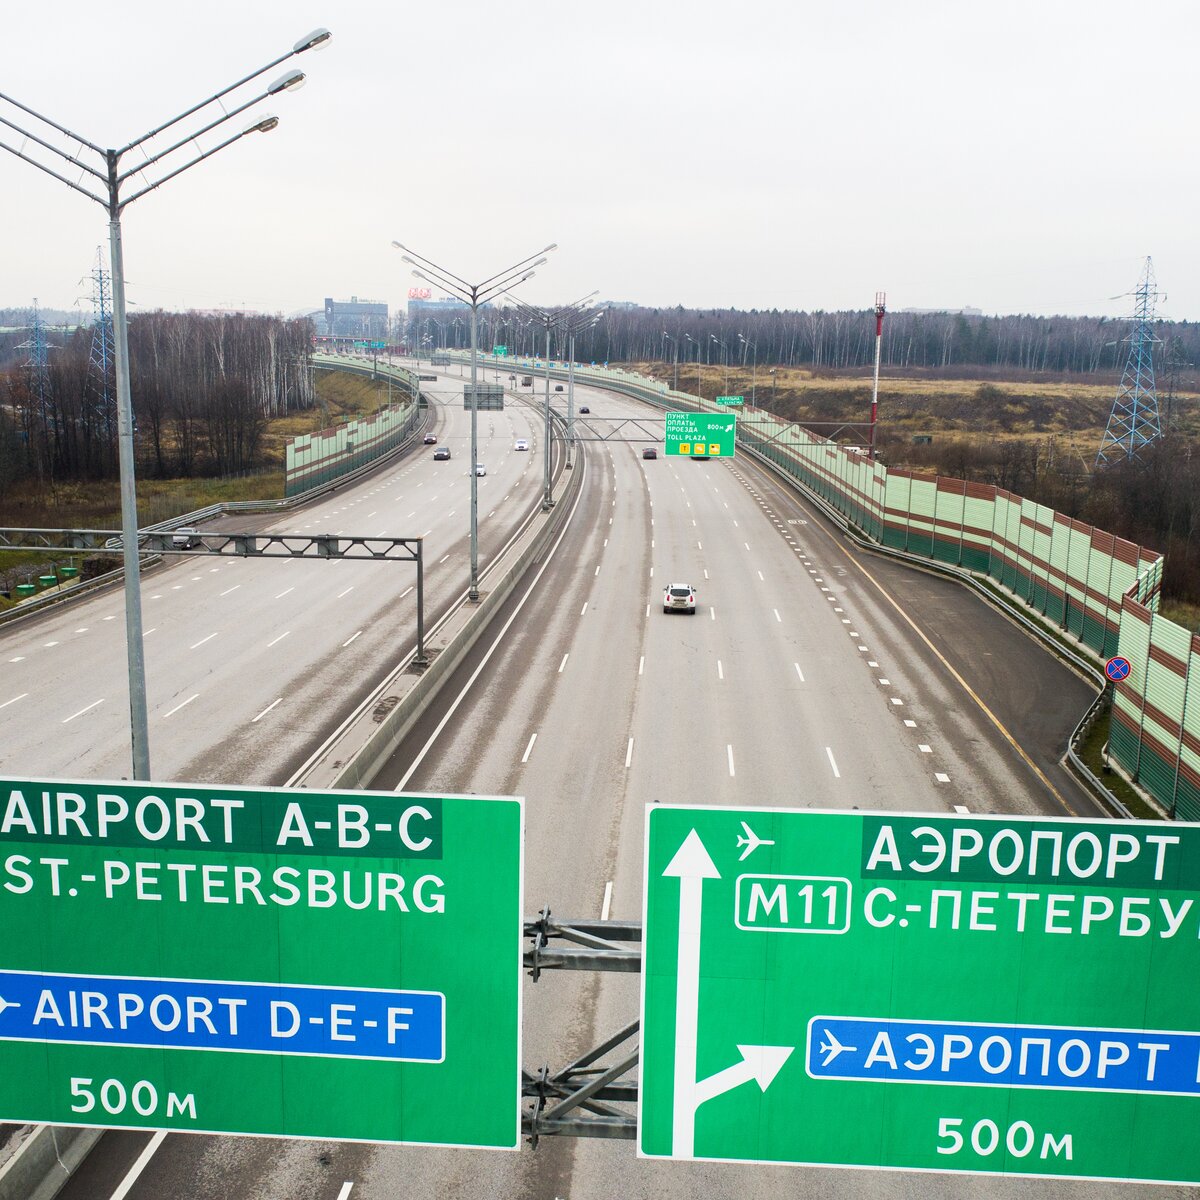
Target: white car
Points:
(679, 597)
(480, 469)
(521, 444)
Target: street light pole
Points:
(674, 342)
(725, 351)
(561, 317)
(753, 365)
(695, 343)
(103, 185)
(474, 295)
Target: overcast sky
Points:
(1018, 156)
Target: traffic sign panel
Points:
(1030, 982)
(731, 400)
(262, 961)
(698, 433)
(1117, 669)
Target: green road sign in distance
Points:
(731, 400)
(712, 435)
(988, 994)
(261, 961)
(499, 351)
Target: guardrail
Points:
(992, 592)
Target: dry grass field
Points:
(1072, 413)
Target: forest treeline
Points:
(846, 339)
(203, 389)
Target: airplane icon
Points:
(751, 841)
(831, 1049)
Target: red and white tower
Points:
(880, 309)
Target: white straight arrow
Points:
(691, 865)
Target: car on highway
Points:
(480, 469)
(583, 408)
(558, 387)
(521, 444)
(679, 597)
(700, 457)
(185, 539)
(441, 454)
(431, 439)
(649, 452)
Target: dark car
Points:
(583, 408)
(431, 439)
(649, 452)
(558, 387)
(441, 454)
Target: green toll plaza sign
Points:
(261, 961)
(731, 401)
(701, 435)
(982, 994)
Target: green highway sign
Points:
(711, 435)
(499, 351)
(983, 994)
(287, 963)
(731, 400)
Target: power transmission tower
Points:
(102, 359)
(38, 418)
(1134, 422)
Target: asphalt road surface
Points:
(810, 676)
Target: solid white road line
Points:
(345, 593)
(606, 907)
(197, 645)
(278, 639)
(344, 1194)
(179, 706)
(14, 700)
(629, 753)
(720, 671)
(406, 591)
(286, 590)
(798, 671)
(83, 710)
(126, 1184)
(351, 638)
(266, 710)
(228, 590)
(529, 748)
(583, 609)
(836, 773)
(562, 664)
(729, 755)
(641, 664)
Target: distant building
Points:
(925, 312)
(443, 309)
(355, 318)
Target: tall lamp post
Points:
(104, 183)
(725, 352)
(551, 319)
(754, 363)
(695, 343)
(474, 295)
(674, 342)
